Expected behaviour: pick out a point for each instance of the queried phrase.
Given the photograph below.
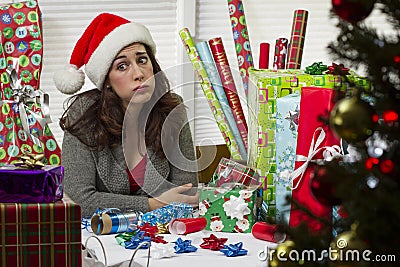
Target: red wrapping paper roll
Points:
(314, 102)
(297, 39)
(241, 39)
(264, 56)
(185, 226)
(267, 232)
(224, 71)
(280, 53)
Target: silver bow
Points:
(24, 95)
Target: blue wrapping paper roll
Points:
(287, 112)
(43, 185)
(212, 72)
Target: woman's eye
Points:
(143, 60)
(122, 66)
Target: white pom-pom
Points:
(69, 79)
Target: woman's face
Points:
(131, 75)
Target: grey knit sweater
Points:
(99, 179)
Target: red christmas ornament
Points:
(370, 163)
(353, 10)
(390, 116)
(323, 188)
(396, 59)
(386, 166)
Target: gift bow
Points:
(30, 161)
(337, 69)
(236, 207)
(163, 250)
(317, 68)
(233, 250)
(184, 246)
(23, 95)
(213, 242)
(329, 152)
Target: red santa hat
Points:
(102, 40)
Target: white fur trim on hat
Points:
(69, 79)
(100, 62)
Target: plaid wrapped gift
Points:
(40, 234)
(229, 171)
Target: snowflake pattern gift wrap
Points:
(24, 116)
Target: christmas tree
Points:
(363, 186)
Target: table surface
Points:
(117, 255)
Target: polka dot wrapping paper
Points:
(23, 125)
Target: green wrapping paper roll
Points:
(209, 93)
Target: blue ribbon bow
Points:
(137, 239)
(233, 250)
(184, 246)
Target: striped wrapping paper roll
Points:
(209, 92)
(222, 64)
(213, 75)
(241, 39)
(297, 39)
(280, 53)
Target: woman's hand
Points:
(174, 195)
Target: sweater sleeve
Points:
(83, 185)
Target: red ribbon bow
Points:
(150, 230)
(338, 69)
(213, 242)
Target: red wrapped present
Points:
(23, 105)
(314, 139)
(40, 234)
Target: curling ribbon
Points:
(23, 95)
(331, 151)
(112, 220)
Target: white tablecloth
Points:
(117, 254)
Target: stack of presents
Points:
(38, 226)
(282, 135)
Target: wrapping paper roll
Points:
(280, 53)
(213, 75)
(241, 39)
(222, 64)
(264, 56)
(209, 92)
(187, 225)
(297, 39)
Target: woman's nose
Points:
(137, 73)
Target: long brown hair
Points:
(101, 124)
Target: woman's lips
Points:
(140, 88)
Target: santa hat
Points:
(102, 40)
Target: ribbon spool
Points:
(110, 223)
(187, 225)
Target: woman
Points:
(119, 58)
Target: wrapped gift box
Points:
(44, 185)
(24, 105)
(228, 210)
(265, 87)
(40, 234)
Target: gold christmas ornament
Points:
(348, 250)
(351, 119)
(281, 256)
